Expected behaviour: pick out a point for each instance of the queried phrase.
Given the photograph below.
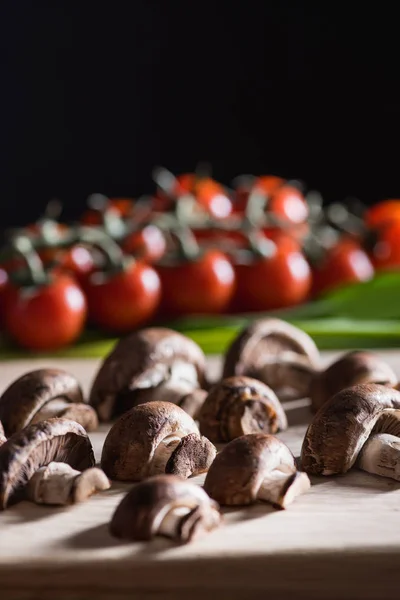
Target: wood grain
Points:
(341, 540)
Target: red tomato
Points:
(383, 213)
(212, 197)
(125, 300)
(289, 204)
(149, 243)
(46, 317)
(201, 286)
(280, 280)
(122, 207)
(345, 263)
(385, 253)
(267, 183)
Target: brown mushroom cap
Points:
(133, 440)
(239, 470)
(274, 351)
(240, 405)
(21, 402)
(138, 362)
(350, 369)
(55, 440)
(140, 514)
(343, 424)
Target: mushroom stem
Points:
(380, 455)
(60, 484)
(183, 523)
(169, 526)
(163, 453)
(50, 409)
(281, 488)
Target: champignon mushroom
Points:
(240, 405)
(151, 364)
(35, 446)
(165, 505)
(277, 353)
(58, 483)
(359, 425)
(155, 438)
(350, 369)
(43, 394)
(255, 467)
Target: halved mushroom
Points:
(155, 438)
(42, 394)
(255, 467)
(151, 364)
(350, 369)
(165, 505)
(358, 426)
(240, 405)
(277, 353)
(35, 446)
(59, 484)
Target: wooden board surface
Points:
(340, 540)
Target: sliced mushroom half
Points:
(278, 354)
(168, 506)
(240, 405)
(25, 452)
(43, 394)
(151, 364)
(58, 484)
(358, 426)
(255, 467)
(350, 369)
(155, 438)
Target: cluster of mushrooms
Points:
(166, 419)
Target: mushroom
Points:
(358, 426)
(255, 467)
(350, 369)
(240, 405)
(151, 364)
(155, 438)
(35, 446)
(165, 505)
(43, 394)
(58, 483)
(277, 353)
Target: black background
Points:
(94, 94)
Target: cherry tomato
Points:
(383, 213)
(203, 285)
(125, 300)
(46, 317)
(267, 183)
(344, 263)
(212, 197)
(122, 207)
(148, 244)
(288, 203)
(385, 252)
(276, 281)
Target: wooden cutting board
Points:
(340, 540)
